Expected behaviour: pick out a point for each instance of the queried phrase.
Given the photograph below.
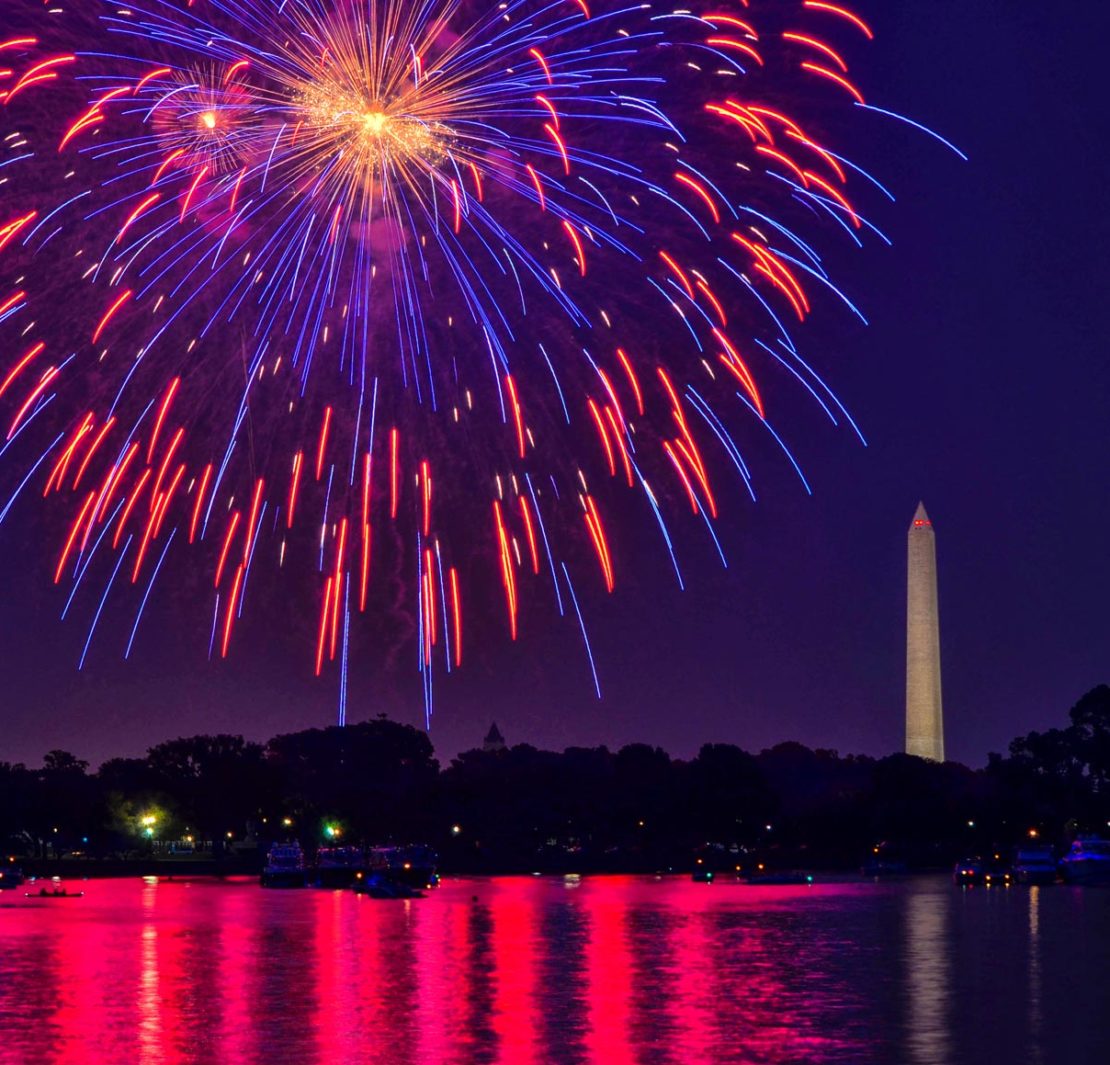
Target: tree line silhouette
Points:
(583, 809)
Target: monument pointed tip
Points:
(921, 517)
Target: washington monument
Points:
(924, 713)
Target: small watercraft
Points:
(780, 878)
(55, 890)
(1088, 862)
(377, 886)
(884, 860)
(971, 871)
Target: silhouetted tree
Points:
(726, 795)
(219, 782)
(1090, 719)
(63, 811)
(377, 776)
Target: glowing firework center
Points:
(206, 121)
(372, 133)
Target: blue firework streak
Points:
(343, 275)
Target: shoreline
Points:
(201, 869)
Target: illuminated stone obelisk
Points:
(924, 713)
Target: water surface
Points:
(518, 970)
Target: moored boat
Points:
(11, 876)
(413, 864)
(971, 871)
(338, 867)
(1034, 865)
(284, 867)
(1088, 862)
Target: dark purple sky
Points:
(982, 384)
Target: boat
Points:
(1034, 865)
(971, 871)
(1088, 862)
(877, 867)
(55, 890)
(383, 886)
(284, 867)
(413, 864)
(792, 876)
(884, 860)
(11, 876)
(337, 867)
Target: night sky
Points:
(982, 385)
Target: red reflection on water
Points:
(437, 1012)
(81, 985)
(695, 972)
(336, 975)
(518, 970)
(233, 944)
(147, 999)
(514, 957)
(609, 972)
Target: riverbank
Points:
(117, 868)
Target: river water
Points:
(608, 969)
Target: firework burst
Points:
(424, 266)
